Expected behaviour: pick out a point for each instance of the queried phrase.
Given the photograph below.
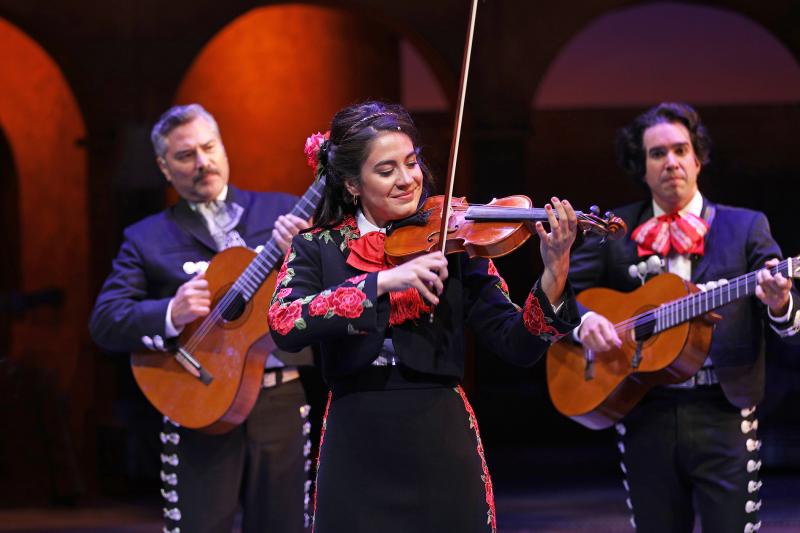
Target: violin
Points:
(488, 230)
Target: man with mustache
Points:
(157, 287)
(695, 442)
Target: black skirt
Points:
(401, 452)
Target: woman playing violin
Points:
(400, 449)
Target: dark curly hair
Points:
(352, 131)
(629, 142)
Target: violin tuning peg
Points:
(609, 215)
(594, 210)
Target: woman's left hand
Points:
(555, 246)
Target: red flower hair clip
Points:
(314, 144)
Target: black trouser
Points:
(259, 465)
(687, 447)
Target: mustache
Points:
(203, 173)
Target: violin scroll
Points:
(611, 227)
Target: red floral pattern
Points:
(319, 306)
(321, 441)
(282, 317)
(355, 280)
(282, 272)
(491, 519)
(492, 271)
(312, 147)
(346, 302)
(283, 293)
(535, 321)
(348, 222)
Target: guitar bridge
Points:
(193, 366)
(588, 369)
(637, 355)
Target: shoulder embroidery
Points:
(537, 323)
(501, 283)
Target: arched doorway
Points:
(278, 73)
(43, 172)
(9, 236)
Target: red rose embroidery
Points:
(346, 302)
(282, 273)
(357, 279)
(487, 479)
(319, 305)
(283, 293)
(282, 316)
(533, 318)
(492, 271)
(348, 220)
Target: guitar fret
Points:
(673, 313)
(664, 315)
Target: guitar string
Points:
(269, 249)
(236, 289)
(678, 307)
(223, 305)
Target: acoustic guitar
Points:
(210, 378)
(665, 327)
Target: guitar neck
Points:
(678, 311)
(268, 258)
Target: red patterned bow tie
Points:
(679, 232)
(367, 255)
(366, 252)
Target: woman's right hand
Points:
(425, 273)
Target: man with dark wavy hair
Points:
(693, 442)
(157, 287)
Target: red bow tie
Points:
(366, 252)
(679, 232)
(367, 255)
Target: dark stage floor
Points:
(541, 506)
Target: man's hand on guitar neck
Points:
(191, 301)
(773, 290)
(286, 227)
(597, 333)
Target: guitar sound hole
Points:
(235, 308)
(643, 329)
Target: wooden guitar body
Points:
(613, 386)
(232, 352)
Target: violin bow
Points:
(451, 163)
